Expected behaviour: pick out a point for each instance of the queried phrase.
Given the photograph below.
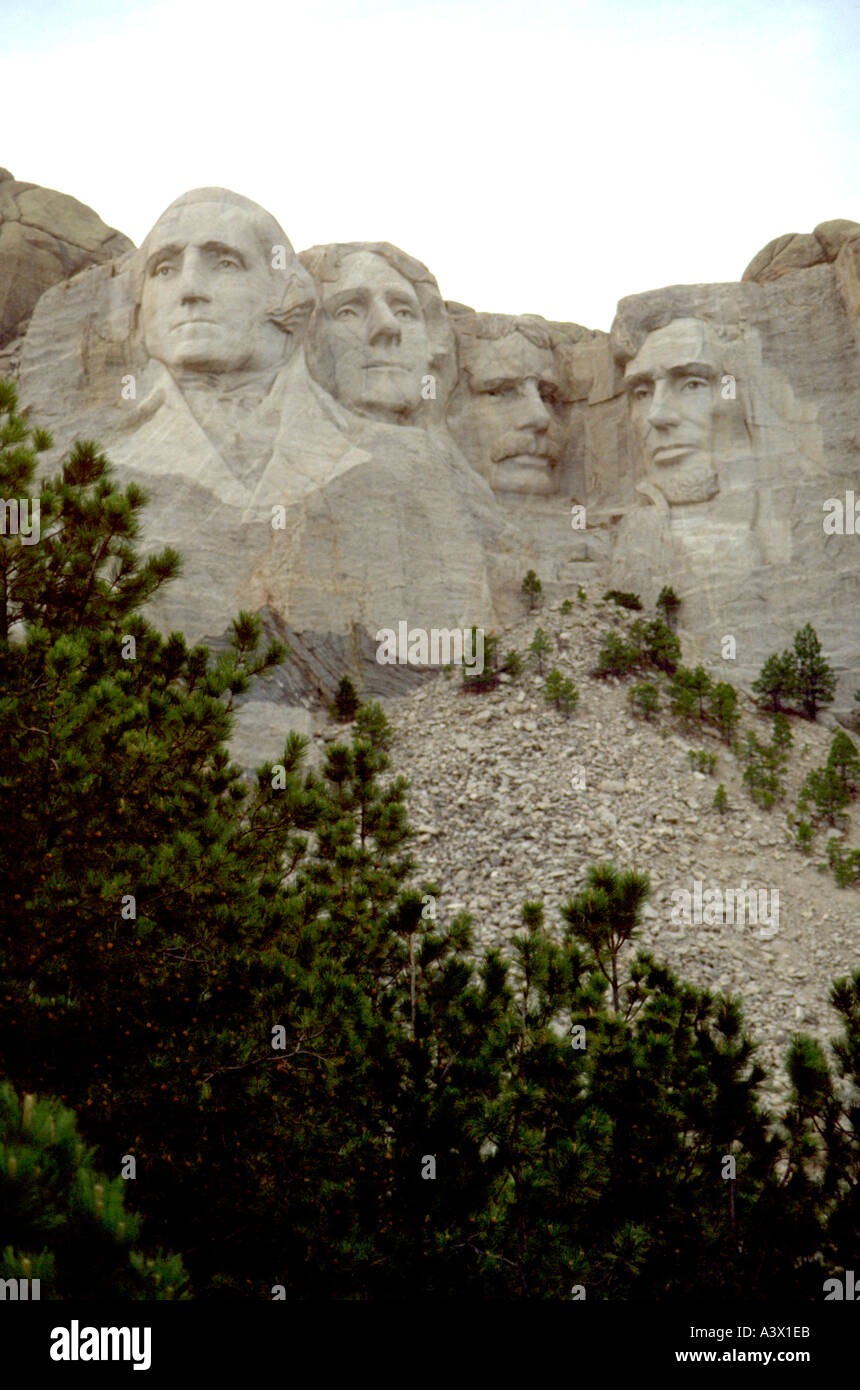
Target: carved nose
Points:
(191, 283)
(192, 290)
(383, 325)
(533, 412)
(663, 412)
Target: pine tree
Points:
(568, 697)
(605, 915)
(777, 681)
(552, 688)
(346, 701)
(781, 736)
(825, 1127)
(723, 710)
(689, 692)
(668, 603)
(617, 657)
(815, 682)
(844, 759)
(826, 788)
(532, 590)
(65, 1223)
(660, 645)
(477, 679)
(539, 647)
(644, 699)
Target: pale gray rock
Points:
(45, 237)
(379, 339)
(186, 360)
(505, 410)
(512, 411)
(737, 434)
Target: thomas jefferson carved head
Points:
(380, 334)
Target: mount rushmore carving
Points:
(328, 442)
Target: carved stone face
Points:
(206, 291)
(502, 412)
(372, 330)
(673, 388)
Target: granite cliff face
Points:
(738, 435)
(331, 443)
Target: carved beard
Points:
(695, 481)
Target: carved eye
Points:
(404, 314)
(640, 393)
(549, 395)
(695, 383)
(346, 311)
(163, 270)
(499, 391)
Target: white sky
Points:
(541, 156)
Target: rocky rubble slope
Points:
(500, 819)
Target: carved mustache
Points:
(513, 445)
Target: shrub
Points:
(617, 657)
(702, 761)
(539, 647)
(721, 801)
(644, 699)
(781, 735)
(763, 774)
(623, 599)
(512, 664)
(845, 863)
(805, 835)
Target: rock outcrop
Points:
(799, 250)
(45, 237)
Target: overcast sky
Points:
(541, 156)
